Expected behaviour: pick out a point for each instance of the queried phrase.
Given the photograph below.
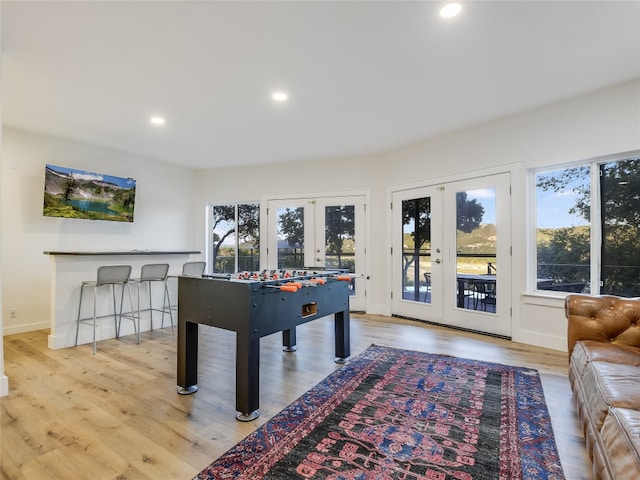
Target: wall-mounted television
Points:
(73, 193)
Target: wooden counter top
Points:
(127, 252)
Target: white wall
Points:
(603, 122)
(4, 381)
(164, 217)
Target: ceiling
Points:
(362, 77)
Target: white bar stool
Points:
(108, 275)
(154, 272)
(193, 269)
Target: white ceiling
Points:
(363, 77)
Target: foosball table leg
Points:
(342, 336)
(289, 340)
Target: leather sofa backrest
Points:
(603, 318)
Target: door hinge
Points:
(391, 250)
(391, 205)
(392, 295)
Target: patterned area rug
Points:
(399, 414)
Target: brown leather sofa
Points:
(604, 371)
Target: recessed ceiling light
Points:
(155, 120)
(450, 10)
(279, 96)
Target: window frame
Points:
(594, 164)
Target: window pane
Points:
(224, 238)
(290, 237)
(235, 247)
(563, 230)
(620, 206)
(416, 249)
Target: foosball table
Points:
(254, 305)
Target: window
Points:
(235, 237)
(588, 227)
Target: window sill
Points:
(545, 299)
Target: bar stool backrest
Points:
(193, 269)
(110, 274)
(154, 271)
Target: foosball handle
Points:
(289, 288)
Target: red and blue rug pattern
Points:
(399, 414)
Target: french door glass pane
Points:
(290, 234)
(416, 249)
(620, 197)
(563, 230)
(339, 240)
(248, 237)
(476, 240)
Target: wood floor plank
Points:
(116, 415)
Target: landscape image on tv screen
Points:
(72, 193)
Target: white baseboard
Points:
(30, 327)
(4, 385)
(540, 340)
(378, 309)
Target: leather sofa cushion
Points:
(609, 385)
(586, 351)
(621, 438)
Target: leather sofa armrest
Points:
(603, 318)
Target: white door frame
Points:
(507, 236)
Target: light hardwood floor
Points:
(71, 415)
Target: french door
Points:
(452, 254)
(319, 232)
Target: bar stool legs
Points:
(154, 272)
(165, 303)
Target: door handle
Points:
(437, 260)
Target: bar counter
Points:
(70, 268)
